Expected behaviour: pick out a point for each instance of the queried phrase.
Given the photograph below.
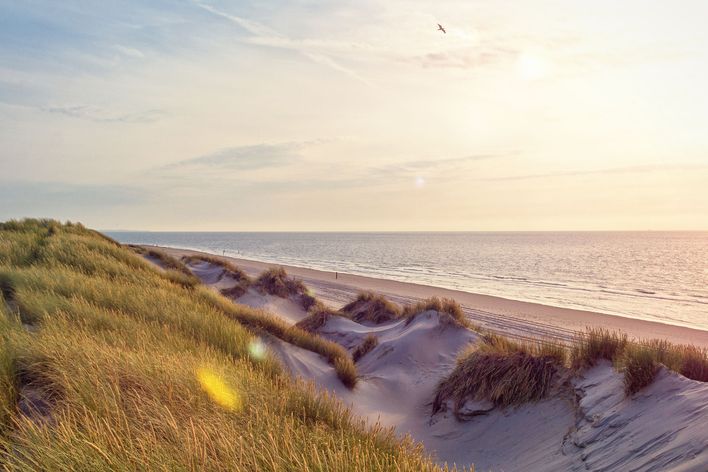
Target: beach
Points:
(505, 316)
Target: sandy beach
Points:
(510, 317)
(582, 424)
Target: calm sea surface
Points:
(659, 276)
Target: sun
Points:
(531, 66)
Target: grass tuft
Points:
(369, 343)
(372, 307)
(318, 316)
(639, 367)
(500, 372)
(450, 309)
(596, 344)
(275, 281)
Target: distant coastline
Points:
(511, 317)
(651, 276)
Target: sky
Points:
(355, 115)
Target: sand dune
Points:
(590, 425)
(509, 317)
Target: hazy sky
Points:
(355, 115)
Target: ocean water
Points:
(661, 276)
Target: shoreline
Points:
(518, 318)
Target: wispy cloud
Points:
(265, 36)
(439, 164)
(256, 156)
(100, 115)
(599, 172)
(130, 52)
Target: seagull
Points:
(440, 28)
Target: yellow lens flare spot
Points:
(218, 390)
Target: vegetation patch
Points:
(639, 366)
(175, 269)
(450, 311)
(369, 343)
(596, 344)
(275, 281)
(638, 360)
(317, 318)
(372, 307)
(502, 373)
(150, 375)
(263, 322)
(229, 268)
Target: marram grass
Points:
(138, 371)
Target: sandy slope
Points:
(590, 425)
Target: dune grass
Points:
(501, 372)
(639, 367)
(450, 309)
(372, 307)
(148, 374)
(266, 323)
(174, 268)
(638, 360)
(275, 281)
(243, 281)
(317, 317)
(228, 266)
(595, 344)
(369, 343)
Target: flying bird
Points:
(440, 28)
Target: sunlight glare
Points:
(218, 390)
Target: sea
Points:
(659, 276)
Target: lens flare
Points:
(257, 349)
(218, 391)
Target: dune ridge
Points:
(584, 419)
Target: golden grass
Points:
(275, 281)
(149, 375)
(639, 367)
(450, 309)
(228, 266)
(266, 323)
(500, 372)
(372, 307)
(638, 360)
(176, 270)
(596, 344)
(369, 343)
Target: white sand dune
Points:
(589, 426)
(661, 428)
(220, 279)
(286, 308)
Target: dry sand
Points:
(591, 425)
(509, 317)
